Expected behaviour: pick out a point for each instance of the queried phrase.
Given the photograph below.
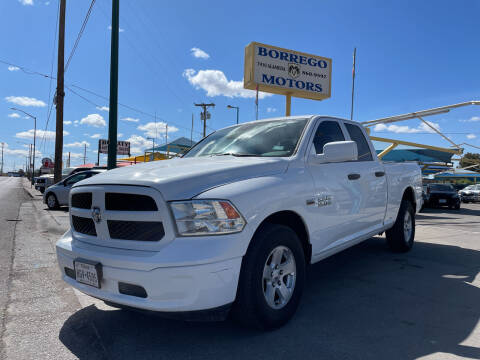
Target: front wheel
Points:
(271, 280)
(401, 236)
(52, 202)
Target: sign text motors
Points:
(287, 72)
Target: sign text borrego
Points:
(287, 72)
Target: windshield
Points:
(441, 187)
(67, 171)
(263, 138)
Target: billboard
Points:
(123, 147)
(287, 72)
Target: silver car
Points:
(57, 194)
(470, 194)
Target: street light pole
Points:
(34, 139)
(234, 107)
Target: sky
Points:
(411, 55)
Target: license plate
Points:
(442, 201)
(88, 272)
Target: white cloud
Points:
(405, 129)
(199, 53)
(149, 129)
(49, 135)
(130, 119)
(78, 144)
(215, 83)
(67, 122)
(103, 108)
(271, 110)
(95, 120)
(13, 68)
(95, 136)
(119, 29)
(76, 155)
(119, 135)
(472, 119)
(471, 136)
(25, 101)
(138, 144)
(19, 152)
(26, 2)
(13, 115)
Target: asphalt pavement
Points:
(364, 303)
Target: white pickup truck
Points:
(232, 226)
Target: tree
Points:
(470, 159)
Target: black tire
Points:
(396, 237)
(54, 204)
(251, 308)
(457, 206)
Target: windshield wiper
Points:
(236, 154)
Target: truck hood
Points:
(184, 178)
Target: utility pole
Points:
(29, 159)
(112, 114)
(166, 138)
(1, 170)
(205, 115)
(353, 80)
(191, 133)
(84, 155)
(68, 159)
(60, 95)
(153, 147)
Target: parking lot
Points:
(364, 303)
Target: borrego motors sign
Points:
(287, 72)
(123, 147)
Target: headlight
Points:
(206, 217)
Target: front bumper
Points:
(172, 288)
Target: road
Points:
(12, 195)
(364, 303)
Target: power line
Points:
(80, 33)
(28, 71)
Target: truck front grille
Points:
(82, 200)
(129, 202)
(136, 230)
(84, 225)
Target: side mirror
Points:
(337, 151)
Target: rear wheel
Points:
(52, 202)
(271, 280)
(401, 236)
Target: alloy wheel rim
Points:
(279, 277)
(407, 226)
(51, 201)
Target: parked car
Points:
(470, 194)
(232, 225)
(442, 195)
(43, 181)
(57, 195)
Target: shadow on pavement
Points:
(364, 303)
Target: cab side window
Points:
(327, 131)
(356, 134)
(77, 178)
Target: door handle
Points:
(379, 173)
(353, 176)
